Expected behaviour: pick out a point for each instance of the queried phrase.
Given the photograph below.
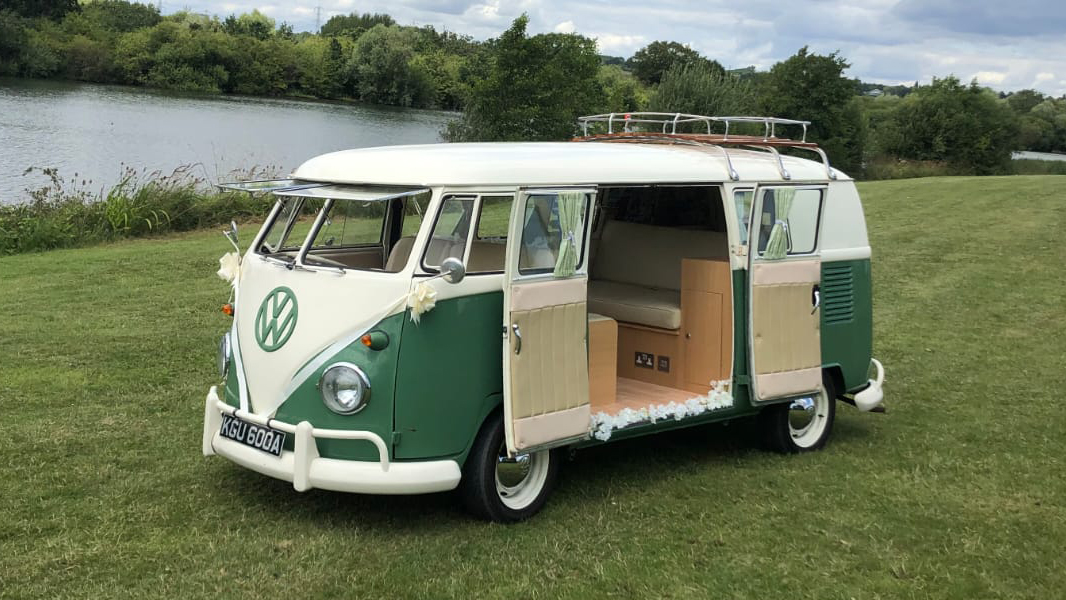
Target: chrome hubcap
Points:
(807, 419)
(520, 479)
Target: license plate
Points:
(259, 437)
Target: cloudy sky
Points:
(1004, 44)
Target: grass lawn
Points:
(957, 492)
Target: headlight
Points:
(345, 388)
(223, 355)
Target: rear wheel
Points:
(802, 424)
(506, 489)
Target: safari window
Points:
(351, 223)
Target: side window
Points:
(414, 210)
(493, 220)
(451, 231)
(553, 233)
(742, 199)
(789, 221)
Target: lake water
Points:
(97, 131)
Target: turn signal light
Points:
(227, 309)
(375, 340)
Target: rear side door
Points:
(545, 356)
(784, 292)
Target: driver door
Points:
(545, 355)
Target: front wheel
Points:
(506, 489)
(802, 424)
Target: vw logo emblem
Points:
(276, 319)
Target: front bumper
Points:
(872, 397)
(307, 470)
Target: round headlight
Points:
(345, 388)
(223, 355)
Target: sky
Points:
(1003, 44)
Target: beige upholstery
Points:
(486, 256)
(636, 276)
(401, 251)
(549, 376)
(786, 336)
(636, 304)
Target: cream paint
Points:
(330, 307)
(556, 338)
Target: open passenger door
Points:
(784, 297)
(545, 356)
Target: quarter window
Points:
(451, 232)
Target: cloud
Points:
(565, 27)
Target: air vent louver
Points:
(838, 301)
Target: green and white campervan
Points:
(416, 319)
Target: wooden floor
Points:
(638, 394)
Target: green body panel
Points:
(449, 376)
(847, 319)
(741, 369)
(305, 404)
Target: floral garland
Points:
(603, 424)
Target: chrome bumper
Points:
(307, 470)
(872, 397)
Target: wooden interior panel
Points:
(703, 331)
(603, 360)
(636, 395)
(707, 322)
(659, 344)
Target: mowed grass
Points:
(957, 492)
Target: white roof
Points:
(549, 163)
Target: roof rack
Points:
(664, 129)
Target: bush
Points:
(63, 214)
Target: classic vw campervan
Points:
(417, 319)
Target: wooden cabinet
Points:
(706, 322)
(603, 352)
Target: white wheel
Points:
(501, 488)
(519, 480)
(802, 424)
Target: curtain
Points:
(777, 245)
(571, 205)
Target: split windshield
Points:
(348, 229)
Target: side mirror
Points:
(452, 270)
(231, 235)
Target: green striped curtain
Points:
(571, 205)
(777, 245)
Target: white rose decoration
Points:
(229, 267)
(422, 299)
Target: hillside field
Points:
(958, 491)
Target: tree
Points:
(51, 9)
(811, 87)
(697, 88)
(121, 16)
(622, 91)
(967, 127)
(254, 24)
(355, 24)
(383, 70)
(652, 61)
(534, 88)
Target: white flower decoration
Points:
(229, 267)
(602, 424)
(421, 300)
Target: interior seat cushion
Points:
(635, 304)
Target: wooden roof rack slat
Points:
(657, 127)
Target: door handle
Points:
(518, 338)
(816, 297)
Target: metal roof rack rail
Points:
(661, 127)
